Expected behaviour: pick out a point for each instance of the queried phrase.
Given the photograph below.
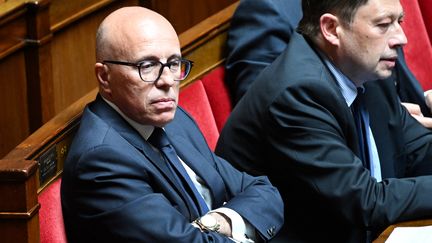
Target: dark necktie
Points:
(358, 110)
(160, 140)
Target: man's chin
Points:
(164, 119)
(384, 74)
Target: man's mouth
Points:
(164, 103)
(389, 61)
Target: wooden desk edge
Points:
(415, 223)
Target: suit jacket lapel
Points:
(202, 167)
(134, 138)
(156, 159)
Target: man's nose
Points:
(398, 38)
(166, 78)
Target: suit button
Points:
(271, 231)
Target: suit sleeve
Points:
(119, 200)
(259, 32)
(417, 150)
(255, 199)
(308, 127)
(409, 88)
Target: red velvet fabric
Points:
(418, 51)
(218, 95)
(194, 100)
(426, 10)
(50, 215)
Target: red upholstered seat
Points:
(208, 101)
(50, 215)
(418, 51)
(218, 95)
(194, 100)
(426, 10)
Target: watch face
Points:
(208, 220)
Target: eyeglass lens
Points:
(151, 70)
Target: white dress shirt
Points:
(242, 231)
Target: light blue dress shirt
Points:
(349, 92)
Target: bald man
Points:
(139, 169)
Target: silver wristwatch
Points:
(207, 223)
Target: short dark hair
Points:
(314, 9)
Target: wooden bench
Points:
(30, 174)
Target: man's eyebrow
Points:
(390, 16)
(155, 58)
(175, 56)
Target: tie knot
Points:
(158, 138)
(358, 101)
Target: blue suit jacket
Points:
(302, 136)
(116, 188)
(260, 31)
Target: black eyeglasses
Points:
(151, 70)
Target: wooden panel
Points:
(38, 64)
(13, 27)
(205, 43)
(14, 125)
(20, 230)
(73, 50)
(65, 12)
(24, 65)
(18, 212)
(184, 14)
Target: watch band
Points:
(207, 223)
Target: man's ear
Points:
(101, 71)
(329, 25)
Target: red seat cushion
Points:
(194, 100)
(218, 95)
(418, 51)
(426, 10)
(50, 215)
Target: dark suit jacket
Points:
(115, 187)
(260, 31)
(298, 130)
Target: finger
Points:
(413, 109)
(425, 121)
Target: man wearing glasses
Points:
(139, 170)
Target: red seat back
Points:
(208, 101)
(194, 100)
(426, 10)
(50, 215)
(218, 95)
(418, 51)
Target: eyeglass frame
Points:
(163, 65)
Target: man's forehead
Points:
(380, 9)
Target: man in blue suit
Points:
(325, 124)
(139, 169)
(261, 30)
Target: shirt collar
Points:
(347, 87)
(144, 130)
